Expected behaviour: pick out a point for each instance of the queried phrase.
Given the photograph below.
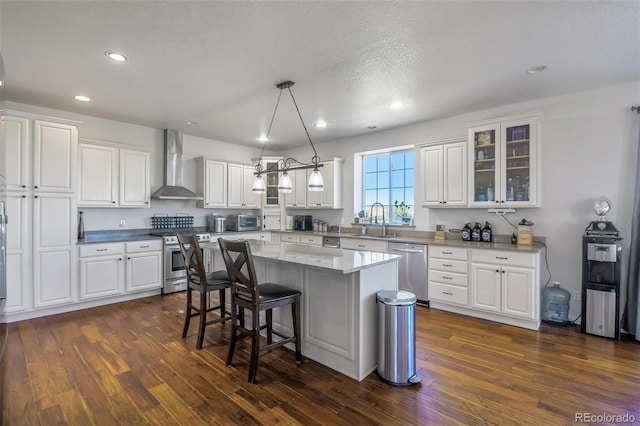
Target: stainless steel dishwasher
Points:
(412, 269)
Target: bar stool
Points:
(202, 282)
(246, 293)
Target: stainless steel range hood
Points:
(173, 188)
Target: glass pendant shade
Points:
(259, 186)
(284, 183)
(315, 181)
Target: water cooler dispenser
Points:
(601, 264)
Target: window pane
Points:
(370, 180)
(397, 161)
(408, 197)
(409, 159)
(397, 179)
(409, 177)
(370, 164)
(383, 180)
(383, 196)
(397, 195)
(370, 197)
(383, 162)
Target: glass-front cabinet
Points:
(503, 163)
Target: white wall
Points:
(589, 148)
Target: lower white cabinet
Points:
(143, 266)
(114, 268)
(501, 285)
(448, 280)
(363, 244)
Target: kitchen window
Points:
(388, 178)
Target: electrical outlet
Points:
(122, 223)
(342, 221)
(577, 295)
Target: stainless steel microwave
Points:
(244, 222)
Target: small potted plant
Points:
(402, 210)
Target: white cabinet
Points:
(504, 162)
(290, 238)
(111, 269)
(113, 177)
(505, 283)
(448, 278)
(298, 196)
(444, 174)
(331, 196)
(143, 265)
(101, 270)
(240, 178)
(313, 240)
(363, 244)
(212, 182)
(135, 178)
(40, 162)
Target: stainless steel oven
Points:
(175, 276)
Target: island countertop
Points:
(344, 261)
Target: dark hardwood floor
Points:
(126, 364)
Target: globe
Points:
(602, 205)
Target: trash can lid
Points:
(396, 297)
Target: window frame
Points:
(359, 191)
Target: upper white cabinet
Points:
(444, 174)
(504, 162)
(212, 182)
(16, 147)
(240, 183)
(113, 177)
(331, 196)
(54, 156)
(298, 196)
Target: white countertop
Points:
(345, 261)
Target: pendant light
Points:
(285, 185)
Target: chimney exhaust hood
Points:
(173, 188)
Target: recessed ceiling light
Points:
(263, 138)
(118, 57)
(536, 69)
(1, 83)
(396, 105)
(192, 123)
(82, 98)
(321, 124)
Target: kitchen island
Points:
(338, 312)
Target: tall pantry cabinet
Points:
(40, 166)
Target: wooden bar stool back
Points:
(200, 281)
(246, 293)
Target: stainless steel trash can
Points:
(397, 337)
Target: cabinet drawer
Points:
(315, 240)
(448, 277)
(88, 250)
(458, 266)
(508, 258)
(443, 252)
(448, 293)
(139, 246)
(362, 244)
(290, 238)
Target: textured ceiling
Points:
(217, 63)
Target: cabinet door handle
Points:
(502, 258)
(360, 245)
(446, 252)
(24, 196)
(24, 186)
(113, 202)
(447, 293)
(146, 202)
(503, 272)
(447, 266)
(128, 258)
(35, 196)
(444, 202)
(35, 187)
(498, 270)
(144, 246)
(120, 259)
(444, 277)
(101, 249)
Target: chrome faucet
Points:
(384, 226)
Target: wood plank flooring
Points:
(126, 364)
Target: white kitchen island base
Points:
(338, 312)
